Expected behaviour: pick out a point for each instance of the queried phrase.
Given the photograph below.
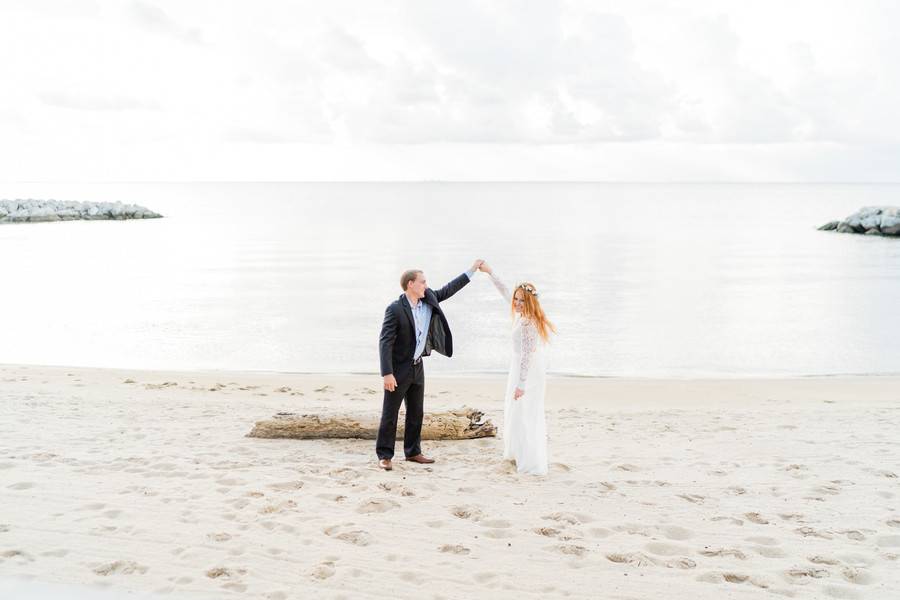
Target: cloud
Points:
(65, 99)
(154, 18)
(577, 84)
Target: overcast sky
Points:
(636, 90)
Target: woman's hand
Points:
(485, 268)
(518, 393)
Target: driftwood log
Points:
(462, 424)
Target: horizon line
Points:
(480, 181)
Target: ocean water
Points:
(652, 280)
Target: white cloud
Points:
(65, 99)
(643, 89)
(153, 18)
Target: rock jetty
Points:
(869, 220)
(35, 211)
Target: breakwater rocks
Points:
(869, 220)
(35, 211)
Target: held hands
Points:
(518, 393)
(390, 382)
(484, 268)
(476, 266)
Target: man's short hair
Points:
(408, 276)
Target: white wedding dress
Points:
(524, 426)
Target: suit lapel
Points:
(404, 304)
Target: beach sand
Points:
(144, 481)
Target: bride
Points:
(524, 427)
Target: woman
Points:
(524, 426)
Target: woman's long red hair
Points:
(532, 310)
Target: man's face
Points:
(417, 288)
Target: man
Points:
(414, 325)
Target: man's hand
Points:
(477, 264)
(484, 268)
(518, 393)
(390, 383)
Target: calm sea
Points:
(641, 280)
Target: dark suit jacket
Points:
(398, 332)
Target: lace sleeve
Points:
(501, 287)
(529, 346)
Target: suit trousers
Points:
(412, 389)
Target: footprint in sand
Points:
(627, 467)
(634, 529)
(692, 498)
(416, 577)
(762, 540)
(569, 549)
(286, 486)
(22, 485)
(20, 556)
(796, 517)
(853, 534)
(673, 532)
(219, 572)
(599, 532)
(731, 577)
(802, 575)
(823, 560)
(396, 488)
(663, 549)
(278, 507)
(733, 552)
(454, 549)
(810, 532)
(858, 575)
(769, 551)
(467, 512)
(568, 517)
(218, 537)
(680, 563)
(484, 577)
(346, 533)
(377, 506)
(635, 559)
(757, 518)
(120, 567)
(332, 497)
(547, 531)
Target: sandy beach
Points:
(144, 481)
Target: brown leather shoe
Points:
(421, 459)
(385, 463)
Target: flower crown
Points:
(528, 288)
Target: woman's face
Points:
(519, 300)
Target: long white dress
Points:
(524, 425)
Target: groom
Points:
(414, 325)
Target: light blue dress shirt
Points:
(422, 319)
